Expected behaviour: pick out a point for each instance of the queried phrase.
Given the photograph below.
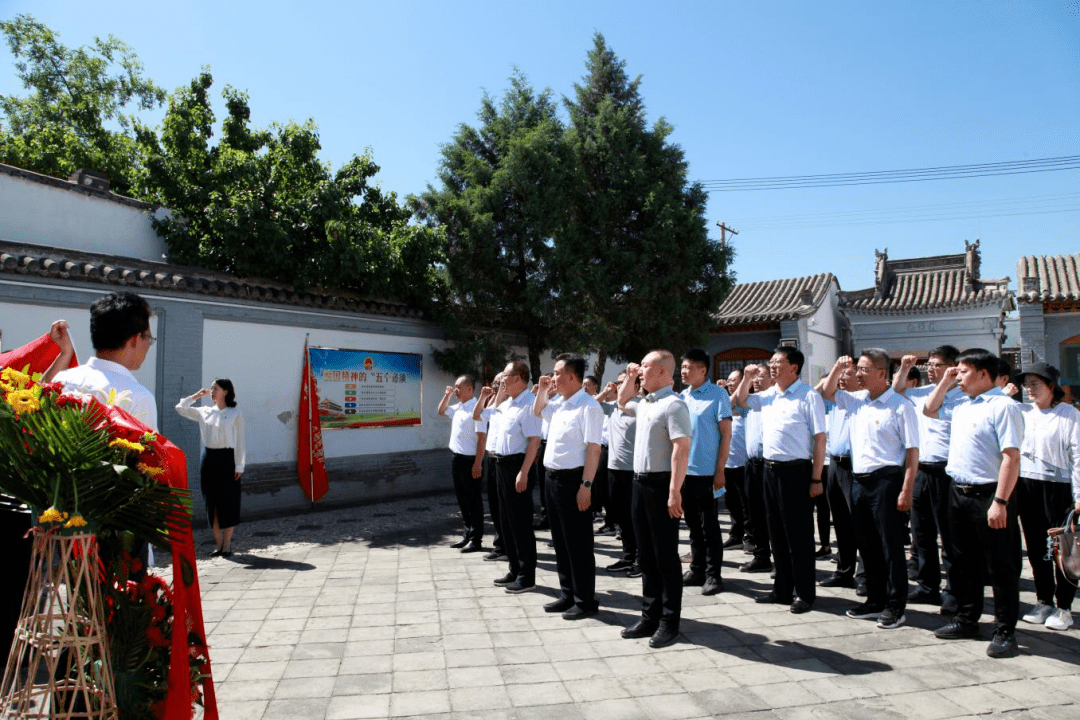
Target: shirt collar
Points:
(791, 388)
(659, 394)
(883, 398)
(108, 366)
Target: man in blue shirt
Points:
(984, 463)
(710, 442)
(930, 505)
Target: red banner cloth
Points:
(310, 462)
(38, 354)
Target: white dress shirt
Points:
(789, 421)
(515, 424)
(462, 427)
(573, 425)
(882, 430)
(219, 427)
(97, 377)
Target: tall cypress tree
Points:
(634, 258)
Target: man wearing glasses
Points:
(930, 505)
(120, 333)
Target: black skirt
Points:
(220, 488)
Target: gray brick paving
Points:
(379, 618)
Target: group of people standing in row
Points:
(957, 459)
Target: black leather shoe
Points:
(712, 586)
(642, 628)
(689, 579)
(558, 606)
(472, 547)
(620, 566)
(1003, 645)
(733, 542)
(577, 613)
(634, 571)
(664, 635)
(925, 597)
(837, 580)
(771, 598)
(860, 589)
(460, 544)
(494, 555)
(957, 631)
(505, 580)
(756, 565)
(800, 606)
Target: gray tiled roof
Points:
(1048, 278)
(113, 271)
(774, 300)
(928, 284)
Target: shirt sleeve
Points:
(754, 402)
(909, 422)
(723, 406)
(845, 400)
(678, 420)
(240, 450)
(816, 407)
(186, 408)
(1010, 426)
(531, 426)
(593, 422)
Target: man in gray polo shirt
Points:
(661, 454)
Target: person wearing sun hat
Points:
(1049, 487)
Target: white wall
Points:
(22, 323)
(265, 363)
(40, 214)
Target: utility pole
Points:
(724, 230)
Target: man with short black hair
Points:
(757, 529)
(516, 442)
(710, 443)
(735, 469)
(571, 459)
(984, 463)
(884, 459)
(793, 440)
(930, 502)
(466, 466)
(120, 333)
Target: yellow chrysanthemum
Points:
(127, 445)
(76, 520)
(147, 470)
(18, 380)
(50, 515)
(23, 401)
(148, 438)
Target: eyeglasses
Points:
(937, 364)
(150, 337)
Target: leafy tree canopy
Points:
(74, 114)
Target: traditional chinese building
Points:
(1048, 296)
(758, 317)
(918, 304)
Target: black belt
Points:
(879, 473)
(572, 472)
(463, 455)
(976, 490)
(843, 461)
(776, 464)
(502, 459)
(940, 465)
(652, 477)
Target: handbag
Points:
(1065, 547)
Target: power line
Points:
(879, 177)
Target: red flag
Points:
(310, 463)
(38, 354)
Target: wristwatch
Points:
(587, 484)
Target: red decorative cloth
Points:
(310, 462)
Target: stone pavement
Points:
(367, 613)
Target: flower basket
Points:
(60, 641)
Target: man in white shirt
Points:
(572, 457)
(120, 333)
(466, 465)
(884, 460)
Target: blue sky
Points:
(752, 90)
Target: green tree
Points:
(74, 115)
(261, 203)
(634, 257)
(500, 202)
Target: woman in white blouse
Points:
(221, 426)
(1049, 487)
